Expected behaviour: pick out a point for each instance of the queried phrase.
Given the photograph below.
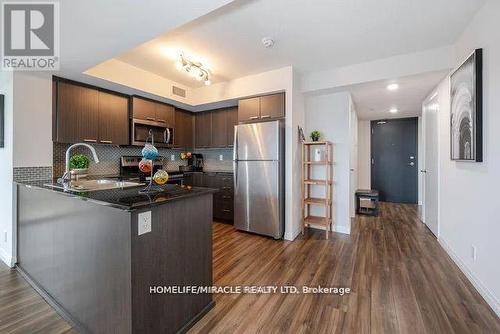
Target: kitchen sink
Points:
(94, 185)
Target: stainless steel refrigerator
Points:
(259, 178)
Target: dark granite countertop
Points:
(127, 198)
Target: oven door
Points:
(141, 130)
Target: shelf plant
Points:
(315, 135)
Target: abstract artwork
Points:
(466, 110)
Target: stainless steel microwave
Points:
(142, 130)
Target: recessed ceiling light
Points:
(393, 110)
(393, 87)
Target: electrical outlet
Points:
(221, 157)
(172, 157)
(474, 253)
(144, 221)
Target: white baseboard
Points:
(6, 258)
(290, 236)
(488, 296)
(342, 229)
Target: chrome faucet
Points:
(65, 176)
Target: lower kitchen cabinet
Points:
(223, 204)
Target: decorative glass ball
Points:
(150, 152)
(145, 165)
(160, 177)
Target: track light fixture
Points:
(195, 69)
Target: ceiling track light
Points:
(195, 69)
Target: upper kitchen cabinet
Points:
(219, 128)
(231, 121)
(261, 108)
(153, 111)
(143, 109)
(272, 106)
(203, 130)
(249, 109)
(113, 119)
(87, 114)
(183, 131)
(76, 113)
(165, 114)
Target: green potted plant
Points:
(315, 135)
(79, 166)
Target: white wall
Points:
(32, 119)
(330, 114)
(364, 155)
(468, 195)
(353, 157)
(420, 161)
(6, 157)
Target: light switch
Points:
(144, 221)
(172, 157)
(221, 157)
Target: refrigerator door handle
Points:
(235, 143)
(235, 156)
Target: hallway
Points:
(401, 278)
(402, 281)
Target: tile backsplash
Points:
(109, 158)
(32, 173)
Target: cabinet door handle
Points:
(150, 119)
(265, 116)
(107, 141)
(226, 188)
(90, 140)
(226, 197)
(226, 210)
(254, 117)
(161, 120)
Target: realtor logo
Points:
(30, 38)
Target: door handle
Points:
(423, 171)
(411, 164)
(166, 135)
(90, 140)
(107, 141)
(254, 117)
(265, 116)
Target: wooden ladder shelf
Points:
(308, 182)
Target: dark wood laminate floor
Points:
(402, 282)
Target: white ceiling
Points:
(93, 31)
(309, 35)
(373, 100)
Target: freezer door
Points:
(258, 141)
(257, 204)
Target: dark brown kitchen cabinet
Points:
(272, 106)
(203, 129)
(183, 131)
(223, 203)
(261, 108)
(249, 109)
(143, 109)
(113, 119)
(231, 121)
(165, 114)
(77, 114)
(219, 128)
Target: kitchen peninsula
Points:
(95, 255)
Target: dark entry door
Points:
(394, 159)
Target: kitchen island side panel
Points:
(78, 252)
(177, 252)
